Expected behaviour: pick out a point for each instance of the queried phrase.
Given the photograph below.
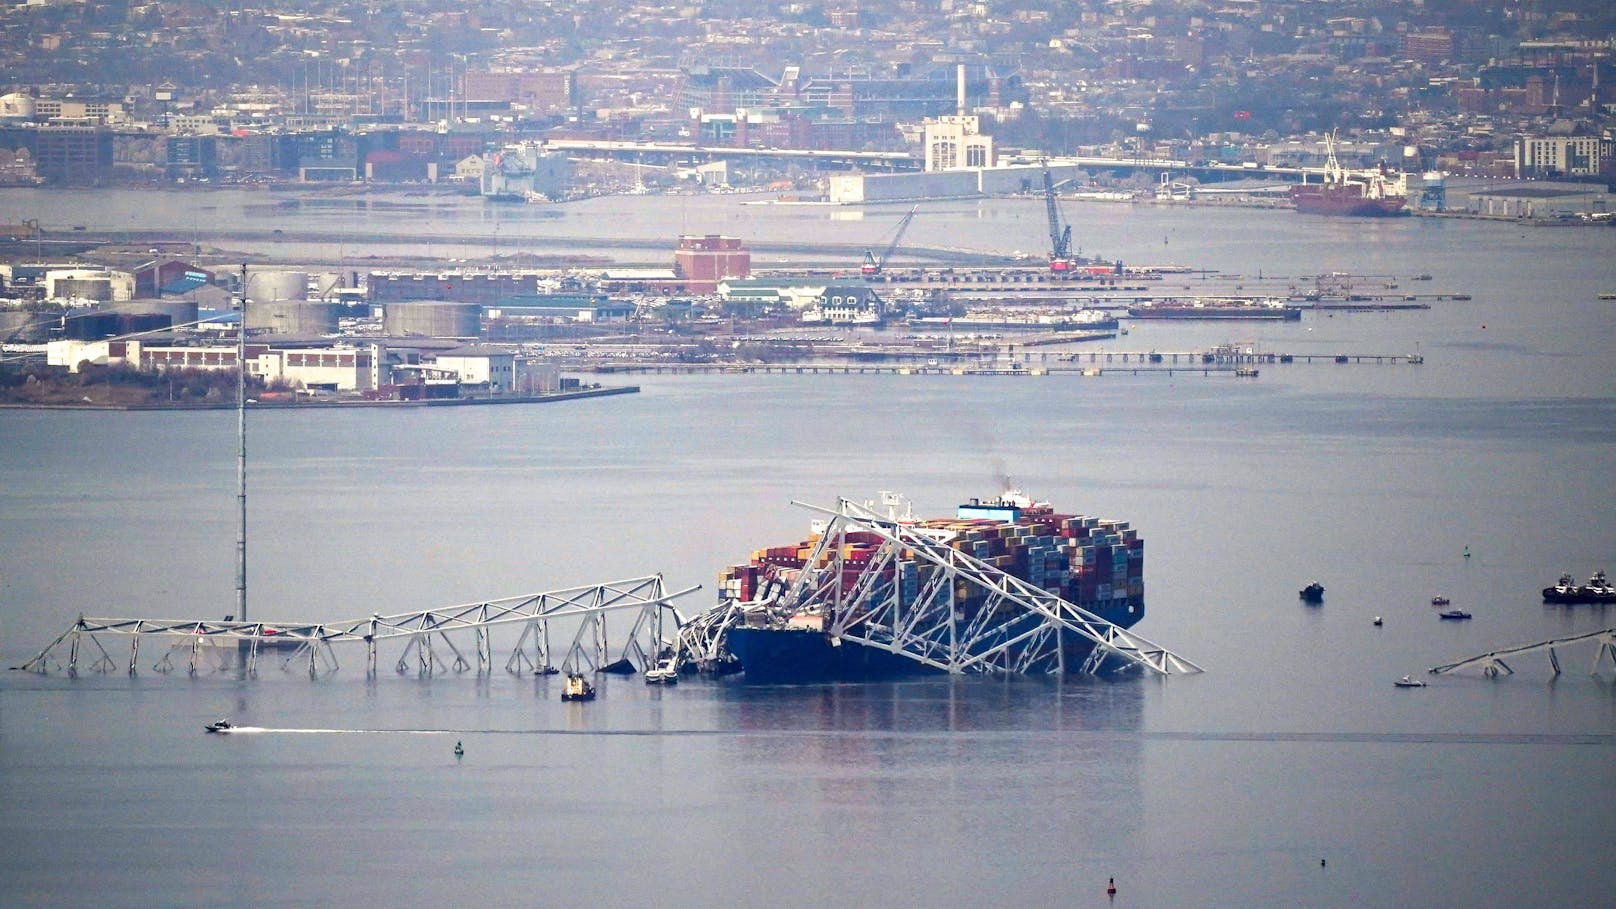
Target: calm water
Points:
(1219, 789)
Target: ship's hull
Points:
(794, 655)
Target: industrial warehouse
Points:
(386, 336)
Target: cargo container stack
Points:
(1094, 563)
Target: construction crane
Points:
(873, 266)
(1060, 238)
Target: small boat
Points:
(546, 670)
(1312, 593)
(1439, 601)
(1378, 622)
(577, 689)
(219, 726)
(459, 750)
(1453, 614)
(1406, 682)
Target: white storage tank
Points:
(98, 284)
(275, 286)
(297, 318)
(178, 309)
(428, 319)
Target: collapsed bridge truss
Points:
(1019, 629)
(429, 637)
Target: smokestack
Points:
(959, 88)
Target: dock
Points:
(1033, 363)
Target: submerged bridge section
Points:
(433, 641)
(1019, 628)
(1492, 663)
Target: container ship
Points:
(848, 603)
(1263, 309)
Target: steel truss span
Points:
(1492, 663)
(1019, 630)
(578, 616)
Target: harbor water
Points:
(1290, 773)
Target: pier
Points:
(1038, 363)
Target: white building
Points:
(955, 142)
(488, 366)
(1570, 156)
(525, 171)
(333, 368)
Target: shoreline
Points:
(344, 403)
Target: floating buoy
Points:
(460, 750)
(1111, 888)
(1467, 552)
(1321, 863)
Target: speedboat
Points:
(577, 689)
(219, 726)
(1406, 682)
(1312, 593)
(1453, 614)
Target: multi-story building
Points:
(702, 262)
(953, 142)
(70, 154)
(1556, 156)
(543, 92)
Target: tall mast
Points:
(241, 454)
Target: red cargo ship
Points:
(1363, 193)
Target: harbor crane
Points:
(1060, 237)
(873, 266)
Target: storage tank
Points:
(16, 106)
(432, 319)
(292, 317)
(180, 311)
(275, 286)
(23, 327)
(327, 284)
(98, 284)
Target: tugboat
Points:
(219, 726)
(1564, 590)
(1599, 589)
(1312, 593)
(577, 689)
